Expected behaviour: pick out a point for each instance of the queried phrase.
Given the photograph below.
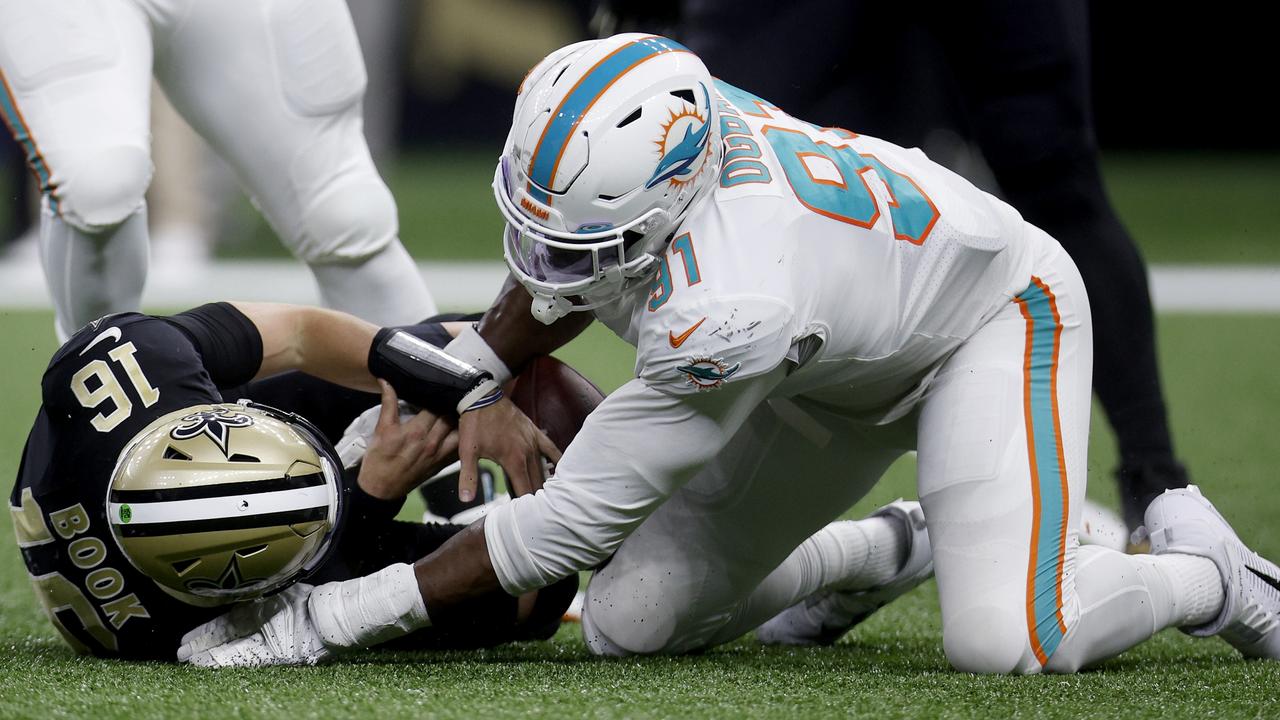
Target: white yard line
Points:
(472, 285)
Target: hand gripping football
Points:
(556, 398)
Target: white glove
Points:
(304, 625)
(355, 439)
(271, 631)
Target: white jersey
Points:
(836, 272)
(862, 262)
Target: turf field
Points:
(1221, 383)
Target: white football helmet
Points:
(612, 143)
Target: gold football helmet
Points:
(227, 502)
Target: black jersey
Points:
(108, 382)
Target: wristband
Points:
(484, 395)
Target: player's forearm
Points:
(607, 483)
(458, 571)
(516, 336)
(328, 344)
(348, 351)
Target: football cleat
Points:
(1183, 521)
(825, 616)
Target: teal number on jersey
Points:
(829, 179)
(661, 289)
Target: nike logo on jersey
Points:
(113, 333)
(678, 340)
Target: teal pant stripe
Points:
(9, 110)
(1046, 436)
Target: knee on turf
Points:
(352, 219)
(619, 621)
(988, 640)
(105, 188)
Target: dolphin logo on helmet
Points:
(678, 161)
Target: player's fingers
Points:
(389, 414)
(516, 468)
(227, 627)
(444, 456)
(535, 469)
(548, 448)
(436, 435)
(245, 652)
(202, 659)
(469, 456)
(449, 445)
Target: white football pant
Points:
(1002, 438)
(274, 86)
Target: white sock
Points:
(1196, 588)
(1125, 599)
(860, 554)
(91, 275)
(851, 555)
(385, 289)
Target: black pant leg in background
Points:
(1022, 70)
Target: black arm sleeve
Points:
(427, 376)
(228, 342)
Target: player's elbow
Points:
(563, 529)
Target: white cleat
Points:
(825, 616)
(1183, 521)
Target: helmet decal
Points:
(565, 118)
(232, 578)
(677, 161)
(215, 424)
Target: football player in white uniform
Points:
(817, 303)
(274, 86)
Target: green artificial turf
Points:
(1221, 383)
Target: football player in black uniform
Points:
(144, 503)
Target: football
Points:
(556, 398)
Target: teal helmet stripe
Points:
(565, 118)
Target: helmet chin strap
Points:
(549, 308)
